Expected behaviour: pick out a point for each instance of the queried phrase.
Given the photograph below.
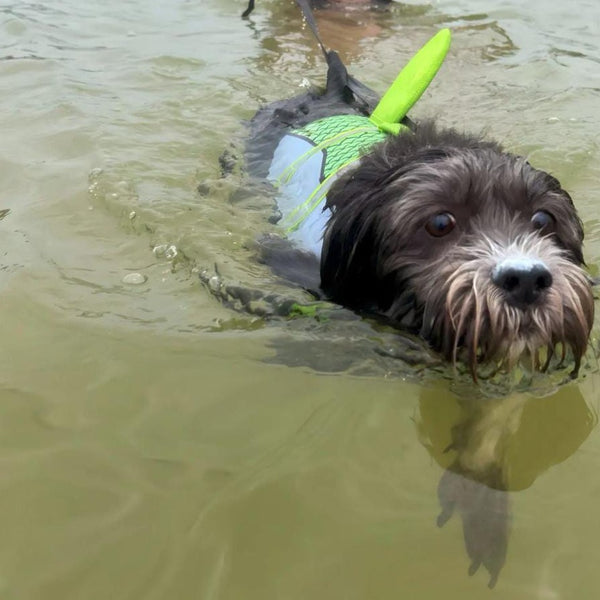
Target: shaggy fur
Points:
(507, 280)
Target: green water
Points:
(156, 444)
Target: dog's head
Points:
(472, 247)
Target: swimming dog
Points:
(442, 234)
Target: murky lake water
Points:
(157, 444)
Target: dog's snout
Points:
(522, 281)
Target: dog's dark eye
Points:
(542, 220)
(441, 224)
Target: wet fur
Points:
(377, 255)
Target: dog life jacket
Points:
(309, 159)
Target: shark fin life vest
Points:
(309, 159)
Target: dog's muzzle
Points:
(494, 301)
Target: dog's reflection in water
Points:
(492, 448)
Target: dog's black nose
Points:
(522, 282)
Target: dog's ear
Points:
(354, 269)
(353, 265)
(547, 193)
(348, 264)
(569, 226)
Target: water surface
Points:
(157, 444)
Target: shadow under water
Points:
(492, 448)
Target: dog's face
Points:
(474, 248)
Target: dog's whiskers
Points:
(480, 320)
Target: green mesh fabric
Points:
(343, 139)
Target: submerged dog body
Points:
(443, 234)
